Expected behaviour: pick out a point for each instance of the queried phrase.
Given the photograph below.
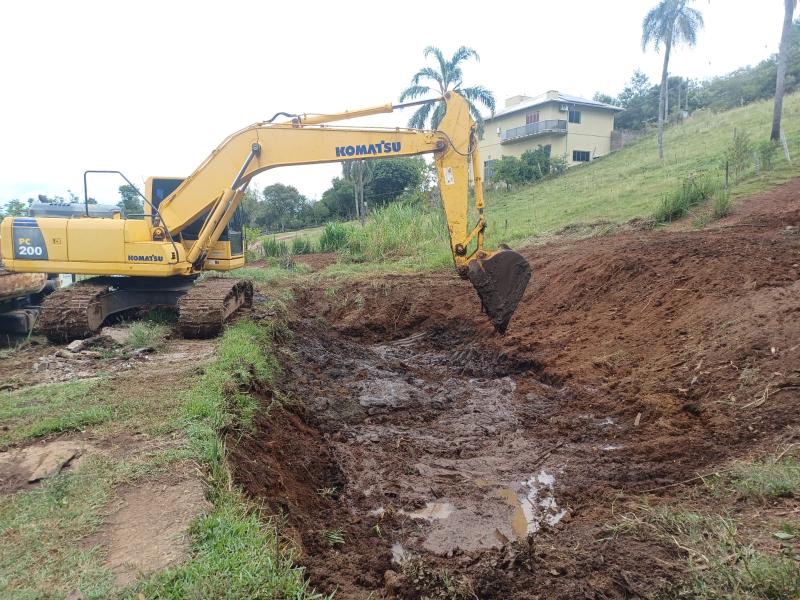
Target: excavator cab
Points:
(227, 251)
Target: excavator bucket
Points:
(500, 281)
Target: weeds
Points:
(147, 334)
(302, 245)
(765, 479)
(720, 566)
(274, 248)
(335, 237)
(694, 191)
(333, 537)
(739, 153)
(721, 205)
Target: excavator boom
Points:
(186, 220)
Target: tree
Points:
(131, 203)
(446, 76)
(16, 208)
(670, 22)
(393, 176)
(338, 199)
(783, 54)
(280, 208)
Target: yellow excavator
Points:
(194, 224)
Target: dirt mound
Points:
(430, 456)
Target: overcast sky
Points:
(152, 87)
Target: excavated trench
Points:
(414, 467)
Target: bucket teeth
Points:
(500, 281)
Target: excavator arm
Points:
(217, 185)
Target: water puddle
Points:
(533, 503)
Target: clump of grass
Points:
(694, 191)
(722, 205)
(147, 334)
(334, 537)
(274, 248)
(720, 566)
(767, 478)
(335, 237)
(302, 245)
(739, 153)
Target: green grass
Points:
(763, 479)
(719, 563)
(39, 556)
(234, 554)
(147, 334)
(39, 411)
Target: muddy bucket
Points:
(500, 281)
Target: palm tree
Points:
(783, 54)
(446, 76)
(670, 22)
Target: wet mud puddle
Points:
(434, 434)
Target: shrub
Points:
(334, 237)
(695, 190)
(739, 154)
(766, 155)
(273, 247)
(302, 245)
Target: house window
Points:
(581, 156)
(532, 117)
(574, 116)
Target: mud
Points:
(453, 462)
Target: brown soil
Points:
(145, 529)
(429, 444)
(317, 261)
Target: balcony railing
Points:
(533, 129)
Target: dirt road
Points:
(425, 454)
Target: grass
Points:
(632, 182)
(147, 334)
(233, 553)
(764, 479)
(719, 540)
(39, 411)
(679, 203)
(231, 540)
(719, 564)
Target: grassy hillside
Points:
(633, 181)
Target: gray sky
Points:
(152, 87)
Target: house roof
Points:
(552, 96)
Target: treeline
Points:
(280, 207)
(640, 96)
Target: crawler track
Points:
(206, 306)
(73, 312)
